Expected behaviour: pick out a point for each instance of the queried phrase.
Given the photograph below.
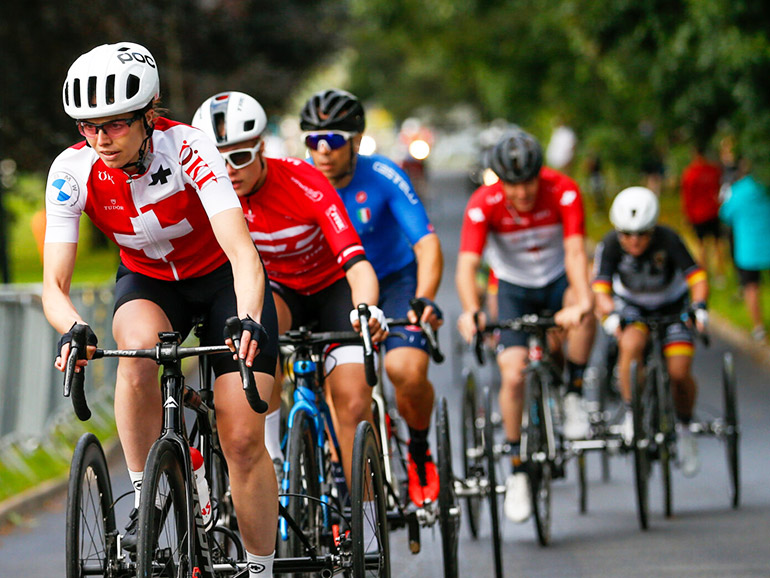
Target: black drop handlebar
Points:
(418, 307)
(167, 350)
(531, 323)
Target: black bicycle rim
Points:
(472, 440)
(449, 518)
(494, 511)
(732, 435)
(90, 517)
(641, 450)
(369, 522)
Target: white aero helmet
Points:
(111, 79)
(634, 210)
(230, 117)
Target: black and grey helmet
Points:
(333, 110)
(517, 158)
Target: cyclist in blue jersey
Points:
(400, 243)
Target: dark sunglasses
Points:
(113, 129)
(334, 139)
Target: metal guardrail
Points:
(31, 398)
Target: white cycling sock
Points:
(260, 566)
(136, 481)
(273, 434)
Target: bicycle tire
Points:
(732, 432)
(448, 510)
(666, 445)
(539, 466)
(582, 482)
(491, 459)
(303, 479)
(641, 449)
(370, 556)
(472, 443)
(90, 515)
(164, 535)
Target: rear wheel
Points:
(641, 446)
(164, 542)
(303, 505)
(90, 517)
(448, 510)
(731, 427)
(369, 513)
(491, 459)
(472, 446)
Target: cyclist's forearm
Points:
(430, 266)
(465, 281)
(576, 265)
(364, 287)
(59, 259)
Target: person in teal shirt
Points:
(747, 211)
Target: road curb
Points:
(33, 499)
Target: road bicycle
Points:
(316, 520)
(392, 430)
(172, 537)
(544, 451)
(655, 428)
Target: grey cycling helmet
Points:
(230, 117)
(333, 110)
(517, 158)
(110, 79)
(634, 210)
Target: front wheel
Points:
(90, 517)
(369, 512)
(641, 447)
(472, 452)
(489, 453)
(164, 539)
(732, 432)
(539, 465)
(666, 436)
(449, 511)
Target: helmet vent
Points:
(92, 91)
(76, 92)
(67, 94)
(220, 128)
(248, 125)
(132, 85)
(633, 213)
(110, 89)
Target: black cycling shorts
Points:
(326, 310)
(212, 297)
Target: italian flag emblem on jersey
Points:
(364, 215)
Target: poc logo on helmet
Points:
(125, 57)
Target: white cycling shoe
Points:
(689, 462)
(575, 417)
(518, 498)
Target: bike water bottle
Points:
(199, 471)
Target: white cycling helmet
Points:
(111, 79)
(634, 210)
(230, 117)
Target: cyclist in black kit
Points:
(642, 268)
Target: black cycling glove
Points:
(257, 331)
(428, 302)
(91, 339)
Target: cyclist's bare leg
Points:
(407, 368)
(352, 400)
(630, 348)
(683, 387)
(512, 362)
(138, 411)
(252, 477)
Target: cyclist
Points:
(403, 249)
(648, 269)
(533, 217)
(314, 259)
(160, 191)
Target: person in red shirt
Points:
(314, 259)
(701, 181)
(531, 224)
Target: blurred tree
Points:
(202, 46)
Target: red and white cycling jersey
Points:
(300, 227)
(525, 249)
(159, 219)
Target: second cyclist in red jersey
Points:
(315, 262)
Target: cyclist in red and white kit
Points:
(314, 258)
(531, 224)
(160, 191)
